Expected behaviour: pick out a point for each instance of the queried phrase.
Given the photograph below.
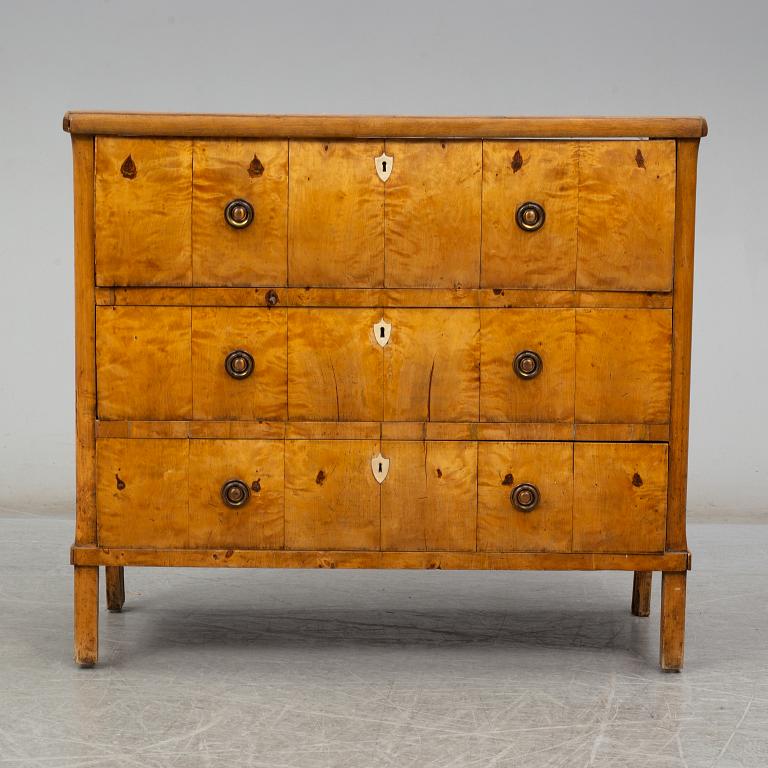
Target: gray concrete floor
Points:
(319, 669)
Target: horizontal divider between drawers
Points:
(489, 298)
(374, 430)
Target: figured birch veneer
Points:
(368, 366)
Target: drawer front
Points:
(253, 171)
(445, 217)
(143, 211)
(144, 362)
(433, 214)
(620, 497)
(332, 498)
(464, 365)
(335, 214)
(502, 469)
(141, 493)
(239, 363)
(429, 497)
(608, 215)
(393, 495)
(516, 386)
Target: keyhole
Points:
(383, 166)
(381, 332)
(381, 468)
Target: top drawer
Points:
(374, 213)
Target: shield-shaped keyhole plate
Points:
(381, 332)
(380, 467)
(384, 164)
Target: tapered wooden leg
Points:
(672, 620)
(86, 615)
(641, 593)
(115, 579)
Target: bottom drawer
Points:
(382, 495)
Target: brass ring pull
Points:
(238, 213)
(525, 497)
(530, 216)
(239, 364)
(235, 493)
(527, 364)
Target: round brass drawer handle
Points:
(235, 493)
(530, 216)
(527, 364)
(239, 364)
(238, 213)
(525, 497)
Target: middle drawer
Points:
(330, 364)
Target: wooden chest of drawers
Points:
(383, 342)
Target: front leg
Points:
(86, 615)
(672, 620)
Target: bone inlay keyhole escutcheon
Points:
(380, 467)
(384, 164)
(381, 332)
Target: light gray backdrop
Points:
(404, 57)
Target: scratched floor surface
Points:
(326, 669)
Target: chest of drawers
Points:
(368, 342)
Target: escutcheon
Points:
(381, 332)
(384, 163)
(380, 467)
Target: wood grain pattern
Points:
(641, 593)
(335, 214)
(429, 499)
(256, 525)
(626, 215)
(504, 396)
(623, 360)
(362, 126)
(85, 339)
(144, 222)
(500, 526)
(620, 497)
(114, 577)
(433, 214)
(256, 171)
(86, 615)
(262, 333)
(141, 493)
(672, 628)
(334, 365)
(144, 362)
(685, 210)
(431, 365)
(389, 430)
(515, 172)
(500, 298)
(332, 500)
(254, 558)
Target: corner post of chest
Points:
(86, 578)
(673, 584)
